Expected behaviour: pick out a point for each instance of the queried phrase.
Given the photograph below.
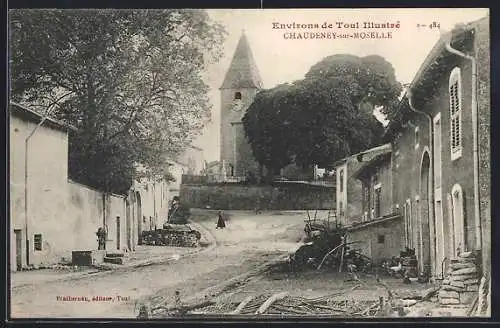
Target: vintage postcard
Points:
(257, 163)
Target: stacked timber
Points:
(462, 283)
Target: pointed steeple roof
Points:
(242, 72)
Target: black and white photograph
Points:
(249, 163)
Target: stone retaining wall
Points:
(247, 197)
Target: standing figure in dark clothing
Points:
(173, 209)
(101, 238)
(220, 222)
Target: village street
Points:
(247, 241)
(161, 164)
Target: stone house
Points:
(349, 188)
(38, 165)
(436, 166)
(441, 177)
(51, 215)
(381, 232)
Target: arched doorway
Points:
(424, 210)
(139, 217)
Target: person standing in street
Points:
(220, 222)
(101, 238)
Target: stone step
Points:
(115, 254)
(448, 294)
(114, 260)
(462, 265)
(464, 278)
(464, 271)
(452, 288)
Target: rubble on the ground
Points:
(55, 267)
(284, 304)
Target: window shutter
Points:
(455, 114)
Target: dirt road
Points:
(248, 240)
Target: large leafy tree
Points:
(131, 81)
(267, 125)
(324, 117)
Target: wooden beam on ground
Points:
(276, 297)
(242, 305)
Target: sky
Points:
(280, 59)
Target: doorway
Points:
(19, 249)
(118, 232)
(438, 194)
(424, 211)
(128, 226)
(139, 217)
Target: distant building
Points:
(190, 163)
(193, 160)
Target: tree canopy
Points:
(131, 81)
(325, 116)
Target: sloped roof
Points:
(366, 155)
(25, 113)
(242, 72)
(365, 165)
(439, 48)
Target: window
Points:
(341, 209)
(38, 242)
(381, 239)
(437, 151)
(417, 137)
(237, 95)
(341, 180)
(366, 198)
(455, 90)
(376, 200)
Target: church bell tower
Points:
(241, 84)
